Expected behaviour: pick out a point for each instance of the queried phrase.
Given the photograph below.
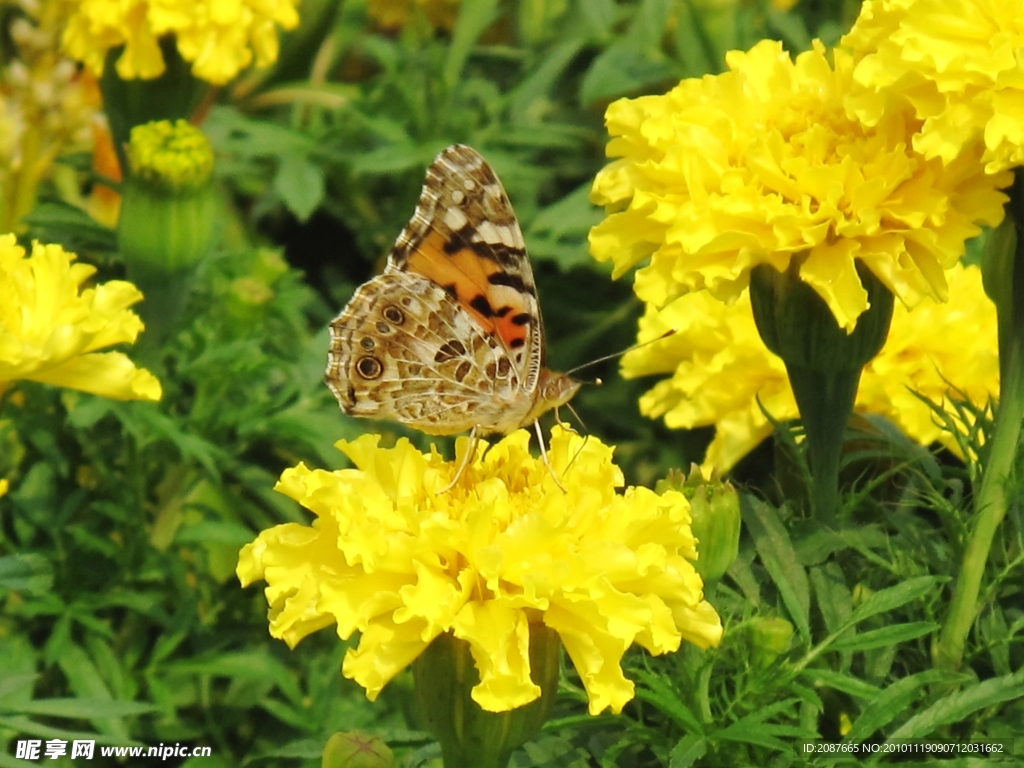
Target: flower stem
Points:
(825, 400)
(1004, 281)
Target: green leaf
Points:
(10, 684)
(85, 709)
(838, 681)
(894, 597)
(28, 573)
(299, 182)
(834, 601)
(395, 158)
(688, 750)
(209, 531)
(473, 19)
(958, 706)
(55, 221)
(780, 560)
(878, 638)
(86, 682)
(537, 87)
(894, 701)
(623, 69)
(658, 692)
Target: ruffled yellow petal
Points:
(219, 37)
(721, 373)
(764, 164)
(51, 327)
(398, 561)
(958, 63)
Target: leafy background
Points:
(122, 615)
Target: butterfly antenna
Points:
(614, 355)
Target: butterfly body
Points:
(449, 338)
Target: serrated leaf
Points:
(55, 221)
(299, 182)
(894, 597)
(894, 700)
(878, 638)
(780, 560)
(960, 705)
(687, 751)
(29, 573)
(838, 681)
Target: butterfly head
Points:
(553, 390)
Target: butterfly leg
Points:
(544, 455)
(464, 462)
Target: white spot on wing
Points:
(487, 233)
(455, 219)
(458, 196)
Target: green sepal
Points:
(470, 737)
(798, 326)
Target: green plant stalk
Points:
(825, 400)
(990, 503)
(823, 360)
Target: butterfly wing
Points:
(465, 237)
(449, 338)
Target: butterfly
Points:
(449, 337)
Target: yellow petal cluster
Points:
(218, 37)
(720, 369)
(960, 63)
(51, 327)
(763, 164)
(394, 556)
(393, 14)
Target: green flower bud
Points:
(356, 750)
(715, 519)
(471, 737)
(769, 639)
(168, 220)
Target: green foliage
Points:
(123, 620)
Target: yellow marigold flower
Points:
(51, 327)
(720, 368)
(762, 164)
(219, 37)
(392, 557)
(958, 62)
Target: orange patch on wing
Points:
(508, 331)
(468, 274)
